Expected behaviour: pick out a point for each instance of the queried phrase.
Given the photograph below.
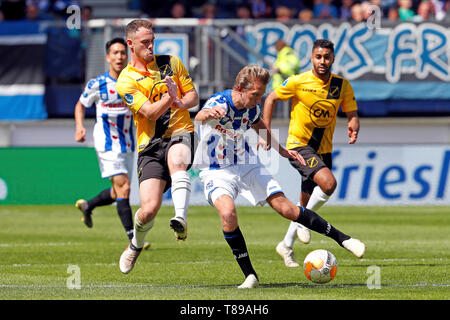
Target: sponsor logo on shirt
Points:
(230, 133)
(113, 105)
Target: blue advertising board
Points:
(173, 44)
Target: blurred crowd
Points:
(303, 10)
(39, 10)
(281, 10)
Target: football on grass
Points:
(320, 266)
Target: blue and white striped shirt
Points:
(113, 129)
(222, 141)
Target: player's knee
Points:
(283, 206)
(122, 190)
(329, 187)
(125, 189)
(229, 221)
(179, 157)
(148, 213)
(289, 211)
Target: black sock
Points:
(236, 241)
(125, 215)
(313, 221)
(102, 199)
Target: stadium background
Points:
(399, 70)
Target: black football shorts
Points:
(152, 161)
(314, 162)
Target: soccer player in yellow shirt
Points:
(159, 92)
(316, 97)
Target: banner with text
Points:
(393, 61)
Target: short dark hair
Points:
(115, 40)
(323, 43)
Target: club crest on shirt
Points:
(334, 92)
(312, 162)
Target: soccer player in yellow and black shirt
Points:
(316, 97)
(159, 92)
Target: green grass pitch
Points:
(44, 249)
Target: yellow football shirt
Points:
(314, 109)
(137, 86)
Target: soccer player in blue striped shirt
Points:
(113, 134)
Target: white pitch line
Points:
(24, 265)
(44, 244)
(254, 243)
(38, 286)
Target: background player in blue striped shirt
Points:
(113, 137)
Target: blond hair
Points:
(135, 25)
(250, 74)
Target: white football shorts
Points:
(252, 181)
(113, 163)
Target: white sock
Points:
(181, 193)
(318, 199)
(291, 234)
(140, 231)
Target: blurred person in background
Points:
(324, 9)
(423, 11)
(405, 11)
(439, 8)
(305, 15)
(113, 137)
(393, 14)
(86, 13)
(208, 11)
(174, 9)
(283, 14)
(286, 64)
(295, 6)
(13, 9)
(34, 13)
(386, 5)
(261, 9)
(345, 11)
(366, 10)
(357, 13)
(227, 8)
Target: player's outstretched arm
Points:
(269, 105)
(261, 129)
(80, 130)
